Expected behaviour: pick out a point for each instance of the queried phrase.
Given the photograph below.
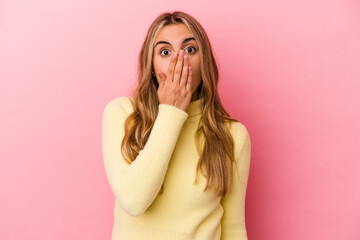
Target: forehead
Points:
(174, 33)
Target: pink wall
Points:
(290, 71)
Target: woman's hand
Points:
(175, 88)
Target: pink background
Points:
(289, 71)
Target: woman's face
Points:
(177, 38)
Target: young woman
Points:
(176, 162)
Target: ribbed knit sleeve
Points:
(136, 185)
(233, 220)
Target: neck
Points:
(195, 96)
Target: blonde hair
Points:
(214, 141)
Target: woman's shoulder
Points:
(240, 134)
(120, 104)
(238, 128)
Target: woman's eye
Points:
(192, 48)
(164, 50)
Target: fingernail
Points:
(181, 52)
(175, 55)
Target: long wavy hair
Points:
(214, 141)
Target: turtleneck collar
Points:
(195, 107)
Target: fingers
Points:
(179, 71)
(178, 68)
(185, 70)
(161, 77)
(171, 67)
(189, 80)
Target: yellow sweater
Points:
(182, 211)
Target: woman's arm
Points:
(136, 185)
(233, 220)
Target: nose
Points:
(178, 51)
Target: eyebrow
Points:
(165, 42)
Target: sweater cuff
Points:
(170, 109)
